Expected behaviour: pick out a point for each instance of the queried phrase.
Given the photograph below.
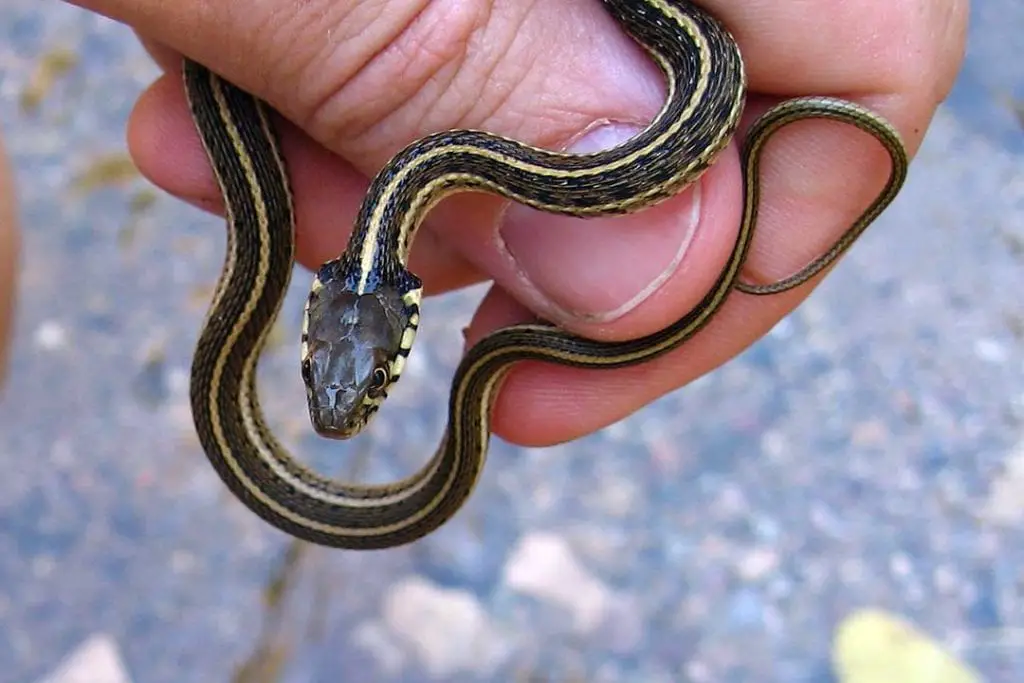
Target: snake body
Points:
(363, 310)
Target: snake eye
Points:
(307, 368)
(379, 381)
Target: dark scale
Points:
(351, 340)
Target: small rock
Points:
(758, 564)
(618, 497)
(97, 660)
(543, 566)
(900, 565)
(447, 629)
(51, 336)
(991, 351)
(183, 562)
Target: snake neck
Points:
(244, 150)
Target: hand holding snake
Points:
(795, 267)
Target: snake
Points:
(363, 310)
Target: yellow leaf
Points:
(873, 646)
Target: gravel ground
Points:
(869, 451)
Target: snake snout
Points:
(333, 411)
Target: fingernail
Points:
(599, 269)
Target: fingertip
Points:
(166, 148)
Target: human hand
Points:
(357, 81)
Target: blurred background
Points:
(868, 453)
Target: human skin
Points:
(357, 80)
(8, 257)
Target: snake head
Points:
(354, 348)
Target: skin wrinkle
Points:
(360, 38)
(502, 99)
(431, 39)
(428, 92)
(296, 65)
(501, 89)
(280, 26)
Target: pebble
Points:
(97, 660)
(543, 566)
(447, 629)
(991, 351)
(51, 336)
(758, 564)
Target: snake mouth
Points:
(326, 424)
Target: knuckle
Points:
(299, 36)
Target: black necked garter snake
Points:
(364, 307)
